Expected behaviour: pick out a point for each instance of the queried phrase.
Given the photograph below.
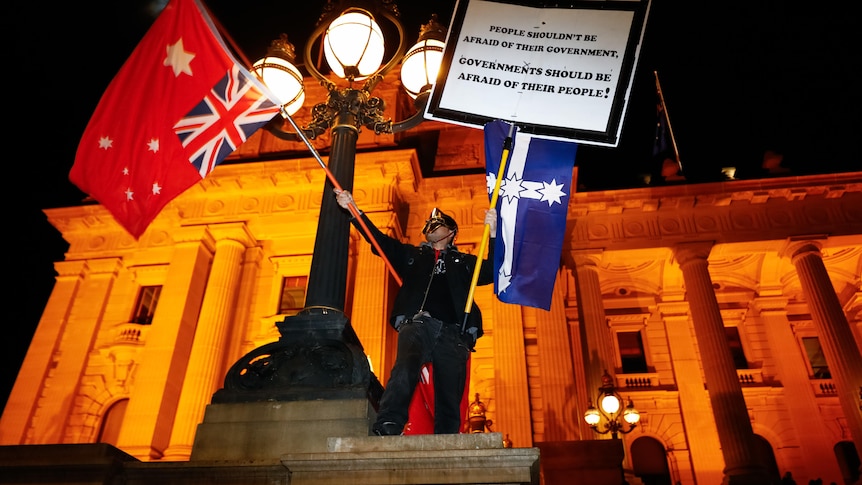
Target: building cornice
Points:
(722, 212)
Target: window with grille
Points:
(819, 368)
(292, 295)
(735, 343)
(632, 352)
(148, 298)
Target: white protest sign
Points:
(557, 72)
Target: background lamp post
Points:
(318, 355)
(609, 407)
(477, 422)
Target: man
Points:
(429, 316)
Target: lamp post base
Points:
(317, 357)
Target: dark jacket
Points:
(414, 263)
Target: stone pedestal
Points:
(264, 431)
(456, 459)
(327, 441)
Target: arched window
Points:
(848, 460)
(649, 461)
(767, 457)
(112, 421)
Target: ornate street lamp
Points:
(609, 407)
(353, 46)
(318, 354)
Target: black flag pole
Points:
(486, 234)
(354, 210)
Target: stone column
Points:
(560, 415)
(853, 310)
(246, 317)
(596, 342)
(203, 373)
(815, 441)
(701, 433)
(158, 380)
(725, 392)
(836, 337)
(24, 398)
(510, 364)
(71, 352)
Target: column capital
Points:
(103, 265)
(235, 231)
(795, 247)
(686, 252)
(70, 268)
(587, 257)
(853, 306)
(673, 309)
(254, 255)
(771, 305)
(193, 234)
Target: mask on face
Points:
(437, 219)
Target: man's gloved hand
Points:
(343, 197)
(491, 220)
(470, 337)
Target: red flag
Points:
(420, 419)
(179, 105)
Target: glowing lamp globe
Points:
(610, 404)
(353, 45)
(591, 416)
(420, 66)
(283, 79)
(631, 415)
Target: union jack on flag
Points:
(223, 120)
(179, 105)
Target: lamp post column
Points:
(327, 279)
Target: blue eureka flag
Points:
(531, 207)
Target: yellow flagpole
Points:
(486, 234)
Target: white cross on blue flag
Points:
(531, 207)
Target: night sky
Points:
(739, 78)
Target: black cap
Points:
(439, 218)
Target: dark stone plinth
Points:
(594, 462)
(318, 356)
(96, 463)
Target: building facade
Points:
(730, 313)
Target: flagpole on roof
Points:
(667, 119)
(486, 234)
(352, 207)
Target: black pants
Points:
(422, 340)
